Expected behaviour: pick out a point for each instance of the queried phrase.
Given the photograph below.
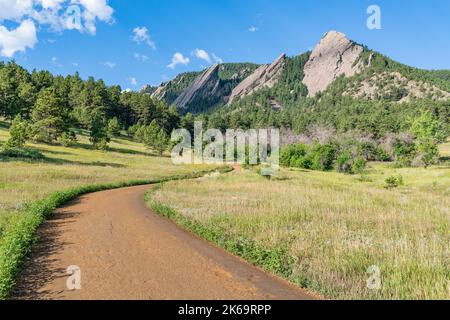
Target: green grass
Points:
(329, 228)
(31, 188)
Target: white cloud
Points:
(19, 39)
(141, 57)
(75, 64)
(95, 9)
(217, 59)
(110, 65)
(50, 4)
(178, 58)
(202, 54)
(133, 81)
(253, 29)
(58, 15)
(142, 35)
(15, 9)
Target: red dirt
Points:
(125, 251)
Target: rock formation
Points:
(265, 76)
(207, 84)
(335, 55)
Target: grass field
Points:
(23, 181)
(333, 226)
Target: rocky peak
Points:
(334, 56)
(206, 84)
(266, 76)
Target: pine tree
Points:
(50, 118)
(114, 127)
(99, 133)
(19, 132)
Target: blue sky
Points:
(413, 32)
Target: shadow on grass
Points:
(4, 124)
(117, 150)
(56, 161)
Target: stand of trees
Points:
(51, 106)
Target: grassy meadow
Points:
(334, 226)
(24, 181)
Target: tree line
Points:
(49, 107)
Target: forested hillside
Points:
(54, 105)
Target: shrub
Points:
(348, 164)
(132, 130)
(428, 153)
(344, 162)
(358, 166)
(393, 182)
(68, 139)
(322, 156)
(383, 155)
(292, 153)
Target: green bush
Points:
(296, 156)
(383, 155)
(346, 163)
(358, 166)
(322, 156)
(68, 139)
(393, 182)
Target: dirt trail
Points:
(125, 251)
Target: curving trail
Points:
(125, 251)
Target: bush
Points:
(348, 164)
(68, 139)
(383, 155)
(322, 156)
(393, 182)
(132, 130)
(344, 162)
(296, 156)
(358, 166)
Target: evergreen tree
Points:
(19, 132)
(154, 137)
(114, 127)
(99, 131)
(50, 118)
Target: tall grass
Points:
(335, 226)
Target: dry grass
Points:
(25, 181)
(336, 225)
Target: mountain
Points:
(264, 77)
(199, 91)
(340, 83)
(334, 56)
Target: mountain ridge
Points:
(370, 75)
